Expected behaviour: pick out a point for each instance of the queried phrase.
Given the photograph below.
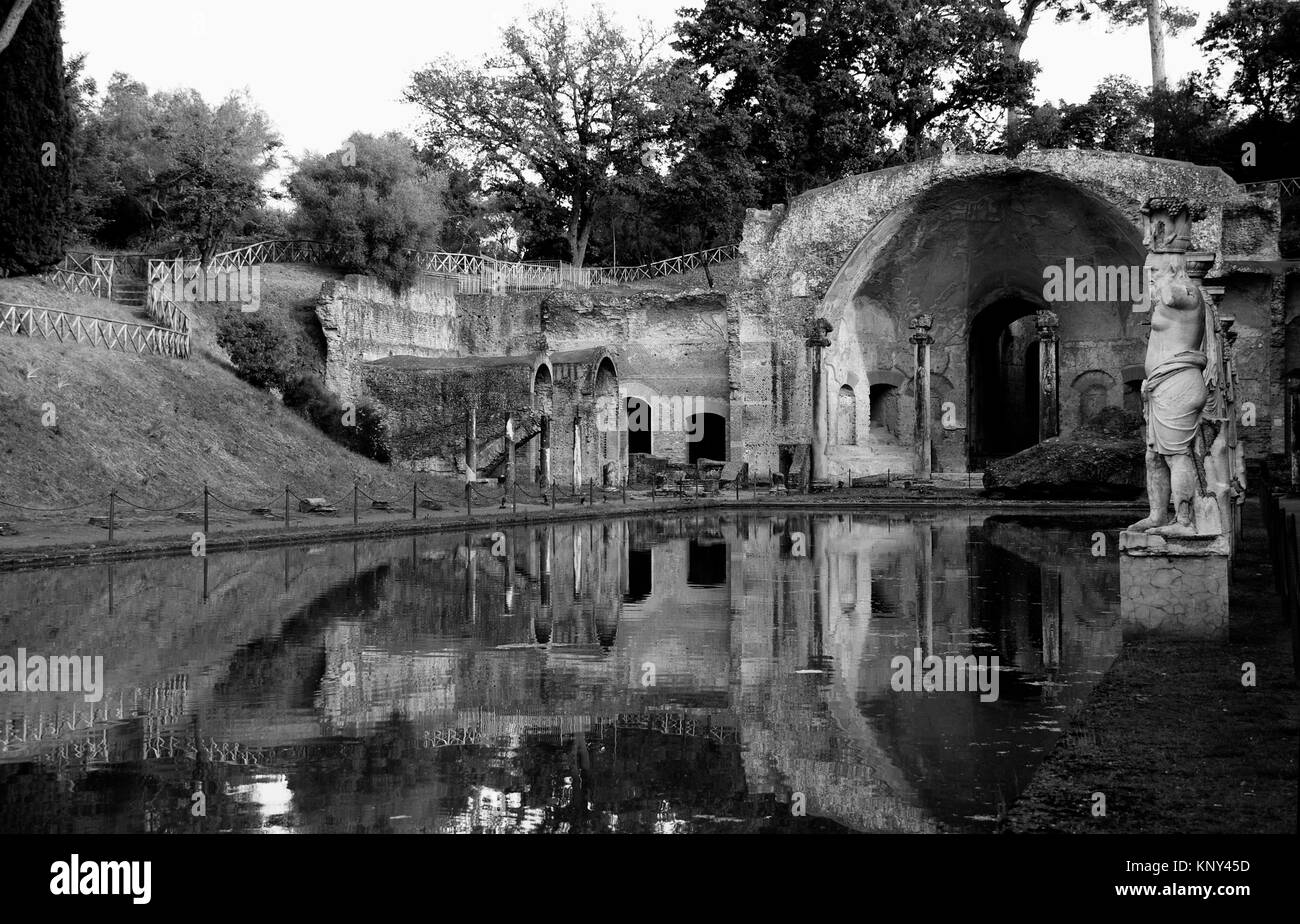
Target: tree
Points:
(373, 201)
(1261, 40)
(9, 28)
(218, 159)
(168, 166)
(554, 119)
(841, 86)
(1158, 15)
(35, 140)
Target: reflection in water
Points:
(647, 674)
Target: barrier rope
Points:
(188, 503)
(242, 509)
(555, 494)
(371, 497)
(48, 509)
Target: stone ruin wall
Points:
(870, 251)
(946, 236)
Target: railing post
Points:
(415, 486)
(112, 499)
(286, 506)
(469, 503)
(514, 499)
(205, 511)
(354, 503)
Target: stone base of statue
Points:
(1174, 586)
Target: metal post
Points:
(554, 488)
(354, 503)
(112, 499)
(514, 500)
(205, 511)
(469, 502)
(591, 492)
(286, 506)
(415, 486)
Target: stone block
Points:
(1184, 595)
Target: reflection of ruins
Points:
(636, 674)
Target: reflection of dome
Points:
(542, 626)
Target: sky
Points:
(322, 69)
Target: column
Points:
(921, 338)
(544, 451)
(510, 456)
(471, 444)
(1049, 412)
(816, 330)
(577, 453)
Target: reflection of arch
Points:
(846, 417)
(640, 575)
(1094, 388)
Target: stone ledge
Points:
(1140, 544)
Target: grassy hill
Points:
(156, 428)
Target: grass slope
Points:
(156, 428)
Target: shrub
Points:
(257, 346)
(365, 434)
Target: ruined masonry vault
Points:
(961, 239)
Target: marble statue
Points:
(1184, 398)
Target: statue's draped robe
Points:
(1183, 390)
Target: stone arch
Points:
(609, 462)
(1132, 377)
(929, 253)
(1096, 390)
(846, 433)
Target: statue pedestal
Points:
(1174, 586)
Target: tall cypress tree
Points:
(35, 142)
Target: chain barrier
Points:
(188, 503)
(508, 494)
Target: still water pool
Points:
(722, 672)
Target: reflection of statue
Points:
(1182, 387)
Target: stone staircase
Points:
(528, 428)
(129, 291)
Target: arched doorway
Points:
(608, 470)
(1003, 380)
(846, 425)
(543, 407)
(640, 423)
(711, 437)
